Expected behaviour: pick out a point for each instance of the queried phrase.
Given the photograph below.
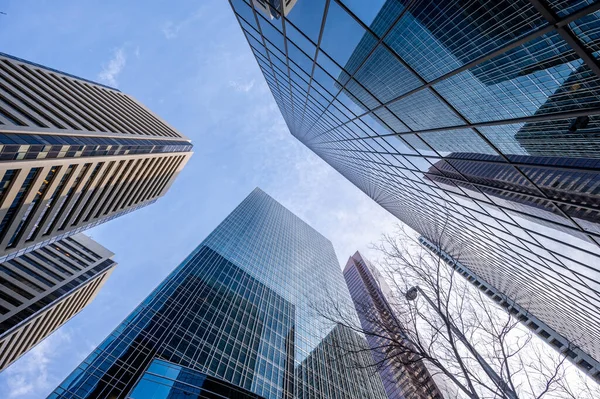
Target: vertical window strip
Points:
(8, 177)
(89, 201)
(59, 101)
(67, 99)
(23, 105)
(126, 181)
(48, 104)
(64, 199)
(74, 204)
(33, 206)
(122, 118)
(107, 190)
(74, 97)
(17, 201)
(111, 123)
(48, 207)
(10, 272)
(16, 264)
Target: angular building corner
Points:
(370, 293)
(236, 319)
(480, 119)
(74, 154)
(43, 289)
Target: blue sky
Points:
(188, 62)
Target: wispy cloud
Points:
(31, 374)
(172, 29)
(113, 68)
(242, 86)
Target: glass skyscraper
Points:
(478, 118)
(237, 318)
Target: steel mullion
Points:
(317, 49)
(379, 42)
(567, 35)
(533, 35)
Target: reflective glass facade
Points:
(478, 118)
(238, 310)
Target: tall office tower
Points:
(382, 92)
(239, 314)
(74, 153)
(43, 289)
(369, 292)
(537, 326)
(505, 185)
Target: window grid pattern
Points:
(474, 117)
(237, 309)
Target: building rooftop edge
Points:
(15, 58)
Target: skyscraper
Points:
(385, 91)
(237, 316)
(43, 289)
(368, 290)
(573, 353)
(75, 153)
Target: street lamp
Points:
(412, 294)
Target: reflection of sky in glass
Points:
(239, 308)
(523, 224)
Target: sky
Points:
(188, 62)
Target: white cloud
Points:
(172, 29)
(242, 87)
(113, 69)
(31, 374)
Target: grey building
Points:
(384, 92)
(73, 154)
(43, 289)
(236, 317)
(369, 292)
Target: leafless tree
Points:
(460, 334)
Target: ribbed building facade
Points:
(43, 289)
(404, 378)
(237, 319)
(503, 95)
(73, 154)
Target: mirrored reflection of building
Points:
(537, 326)
(274, 8)
(369, 291)
(384, 91)
(74, 154)
(43, 289)
(235, 316)
(576, 138)
(554, 182)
